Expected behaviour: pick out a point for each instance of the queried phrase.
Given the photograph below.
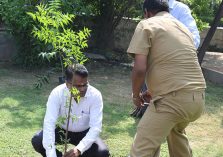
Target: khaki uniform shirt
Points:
(172, 58)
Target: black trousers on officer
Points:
(98, 149)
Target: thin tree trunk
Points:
(68, 121)
(68, 117)
(210, 33)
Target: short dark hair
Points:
(156, 5)
(77, 69)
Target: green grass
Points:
(22, 110)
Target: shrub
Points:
(13, 15)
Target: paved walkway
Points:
(213, 61)
(213, 67)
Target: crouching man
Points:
(82, 132)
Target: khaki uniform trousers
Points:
(167, 117)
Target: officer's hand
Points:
(146, 96)
(72, 153)
(137, 101)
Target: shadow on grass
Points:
(214, 98)
(23, 106)
(219, 154)
(26, 107)
(117, 120)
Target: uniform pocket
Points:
(153, 104)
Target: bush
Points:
(204, 11)
(13, 15)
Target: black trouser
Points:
(98, 148)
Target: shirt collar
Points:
(162, 13)
(87, 94)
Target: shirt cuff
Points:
(81, 147)
(51, 153)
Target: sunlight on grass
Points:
(206, 134)
(9, 102)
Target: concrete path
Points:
(212, 66)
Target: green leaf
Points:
(32, 15)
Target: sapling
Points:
(52, 27)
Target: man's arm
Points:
(139, 49)
(50, 119)
(138, 77)
(190, 23)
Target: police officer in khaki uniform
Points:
(165, 58)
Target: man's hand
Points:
(137, 100)
(146, 96)
(72, 153)
(142, 98)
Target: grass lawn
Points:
(22, 110)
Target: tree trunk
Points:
(108, 19)
(104, 38)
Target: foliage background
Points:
(101, 16)
(13, 14)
